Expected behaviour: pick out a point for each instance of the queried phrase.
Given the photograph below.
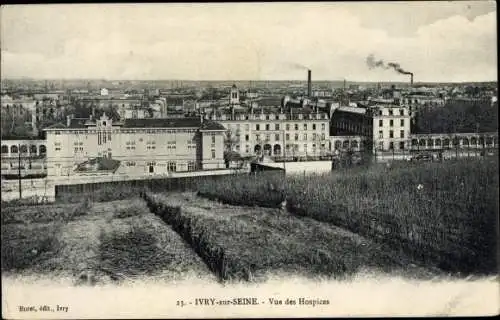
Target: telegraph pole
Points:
(19, 170)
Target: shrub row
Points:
(243, 244)
(444, 215)
(45, 213)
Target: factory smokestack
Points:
(309, 87)
(411, 79)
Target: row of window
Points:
(391, 134)
(296, 126)
(391, 145)
(171, 166)
(391, 112)
(391, 123)
(298, 116)
(156, 131)
(24, 149)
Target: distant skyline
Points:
(438, 41)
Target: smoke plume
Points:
(373, 63)
(295, 65)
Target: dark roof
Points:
(163, 123)
(75, 123)
(101, 163)
(211, 125)
(58, 125)
(78, 123)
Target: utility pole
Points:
(19, 170)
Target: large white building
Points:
(297, 132)
(382, 127)
(134, 146)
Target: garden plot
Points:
(108, 242)
(252, 243)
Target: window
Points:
(268, 137)
(257, 137)
(305, 147)
(277, 137)
(323, 136)
(322, 126)
(287, 126)
(213, 139)
(267, 125)
(171, 166)
(390, 112)
(191, 166)
(213, 154)
(267, 118)
(305, 136)
(247, 127)
(401, 112)
(43, 150)
(5, 149)
(24, 148)
(380, 134)
(57, 132)
(402, 122)
(287, 136)
(391, 123)
(391, 134)
(171, 145)
(247, 137)
(402, 145)
(314, 126)
(277, 126)
(402, 134)
(257, 127)
(381, 123)
(296, 126)
(296, 137)
(314, 136)
(305, 126)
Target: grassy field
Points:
(443, 214)
(92, 243)
(252, 243)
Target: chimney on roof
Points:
(309, 86)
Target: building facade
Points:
(271, 132)
(141, 146)
(381, 128)
(28, 155)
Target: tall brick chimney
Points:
(309, 87)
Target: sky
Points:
(443, 41)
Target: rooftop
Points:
(351, 110)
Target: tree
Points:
(230, 141)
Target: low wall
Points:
(303, 166)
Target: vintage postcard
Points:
(248, 160)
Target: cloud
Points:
(240, 41)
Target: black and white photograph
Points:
(249, 160)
